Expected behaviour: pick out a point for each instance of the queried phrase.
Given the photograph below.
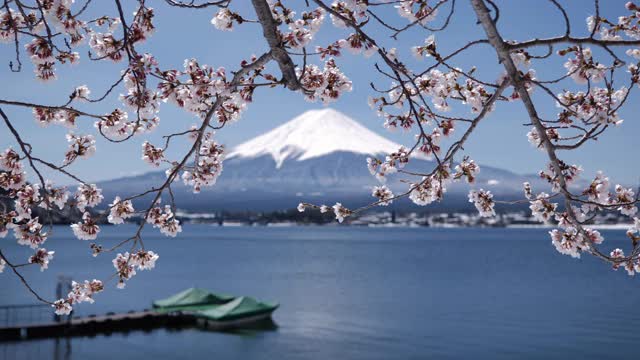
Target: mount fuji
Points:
(319, 156)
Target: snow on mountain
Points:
(313, 134)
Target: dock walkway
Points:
(91, 325)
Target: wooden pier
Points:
(30, 328)
(93, 325)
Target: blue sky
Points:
(499, 141)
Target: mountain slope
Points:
(319, 156)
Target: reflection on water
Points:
(57, 349)
(61, 348)
(354, 293)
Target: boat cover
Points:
(191, 299)
(243, 306)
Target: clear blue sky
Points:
(500, 140)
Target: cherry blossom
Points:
(302, 30)
(42, 258)
(116, 125)
(483, 201)
(144, 260)
(124, 268)
(87, 195)
(355, 44)
(10, 160)
(583, 68)
(542, 209)
(534, 138)
(79, 146)
(81, 93)
(106, 46)
(426, 50)
(223, 20)
(341, 212)
(599, 104)
(6, 222)
(430, 189)
(87, 229)
(83, 292)
(567, 242)
(7, 18)
(381, 169)
(416, 10)
(57, 196)
(353, 10)
(468, 170)
(95, 249)
(26, 197)
(569, 172)
(12, 180)
(527, 190)
(625, 196)
(598, 192)
(164, 220)
(151, 154)
(208, 168)
(383, 194)
(120, 210)
(30, 233)
(62, 307)
(326, 85)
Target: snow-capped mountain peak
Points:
(312, 134)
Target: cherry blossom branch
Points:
(572, 40)
(503, 52)
(270, 33)
(14, 268)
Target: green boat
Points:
(240, 307)
(191, 300)
(217, 311)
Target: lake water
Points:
(357, 293)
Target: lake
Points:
(356, 293)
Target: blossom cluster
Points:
(47, 116)
(354, 11)
(80, 292)
(120, 210)
(383, 194)
(151, 154)
(417, 11)
(126, 264)
(87, 229)
(483, 201)
(208, 166)
(53, 21)
(164, 220)
(570, 174)
(144, 101)
(573, 237)
(598, 106)
(626, 25)
(326, 84)
(27, 228)
(197, 88)
(83, 146)
(583, 68)
(124, 268)
(354, 43)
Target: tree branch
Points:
(279, 54)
